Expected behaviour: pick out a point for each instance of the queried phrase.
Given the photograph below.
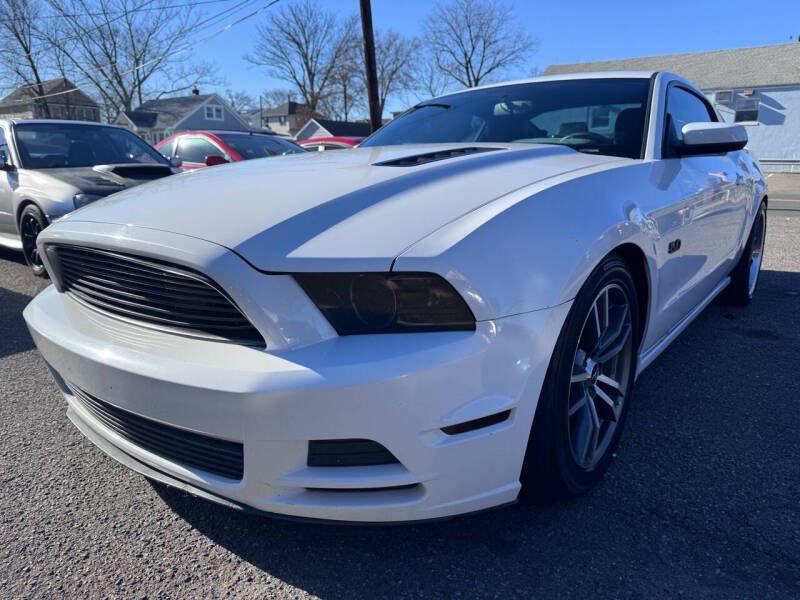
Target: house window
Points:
(214, 112)
(746, 109)
(282, 120)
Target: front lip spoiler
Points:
(157, 475)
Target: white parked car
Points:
(413, 329)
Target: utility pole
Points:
(369, 62)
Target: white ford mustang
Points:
(415, 328)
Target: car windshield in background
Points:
(259, 146)
(64, 145)
(599, 116)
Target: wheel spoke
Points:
(595, 432)
(608, 381)
(615, 336)
(580, 376)
(597, 320)
(578, 405)
(607, 407)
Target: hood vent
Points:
(421, 159)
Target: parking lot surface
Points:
(702, 500)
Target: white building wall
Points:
(775, 140)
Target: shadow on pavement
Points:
(14, 336)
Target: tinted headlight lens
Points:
(82, 200)
(358, 303)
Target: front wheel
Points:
(587, 390)
(31, 223)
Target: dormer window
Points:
(213, 112)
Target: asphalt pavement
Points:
(702, 500)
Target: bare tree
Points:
(239, 100)
(430, 79)
(23, 57)
(302, 44)
(473, 41)
(127, 51)
(275, 97)
(347, 87)
(395, 56)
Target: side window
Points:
(684, 107)
(3, 143)
(195, 150)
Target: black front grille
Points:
(203, 452)
(348, 453)
(152, 292)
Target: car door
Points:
(703, 229)
(192, 150)
(7, 182)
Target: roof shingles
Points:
(757, 67)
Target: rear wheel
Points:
(31, 223)
(587, 389)
(744, 277)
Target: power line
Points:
(140, 8)
(165, 55)
(123, 13)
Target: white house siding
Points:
(775, 141)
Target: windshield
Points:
(599, 116)
(60, 145)
(259, 146)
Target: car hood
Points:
(343, 210)
(101, 180)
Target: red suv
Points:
(197, 149)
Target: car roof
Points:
(565, 77)
(16, 121)
(224, 131)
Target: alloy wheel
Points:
(29, 231)
(600, 375)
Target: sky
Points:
(572, 31)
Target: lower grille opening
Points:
(477, 423)
(209, 454)
(348, 453)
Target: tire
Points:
(557, 465)
(744, 276)
(31, 222)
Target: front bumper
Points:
(398, 390)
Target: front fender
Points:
(53, 197)
(535, 247)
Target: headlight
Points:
(81, 200)
(358, 303)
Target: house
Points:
(61, 99)
(286, 119)
(317, 128)
(157, 119)
(253, 118)
(758, 87)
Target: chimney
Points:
(195, 91)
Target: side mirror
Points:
(215, 159)
(5, 163)
(176, 162)
(711, 138)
